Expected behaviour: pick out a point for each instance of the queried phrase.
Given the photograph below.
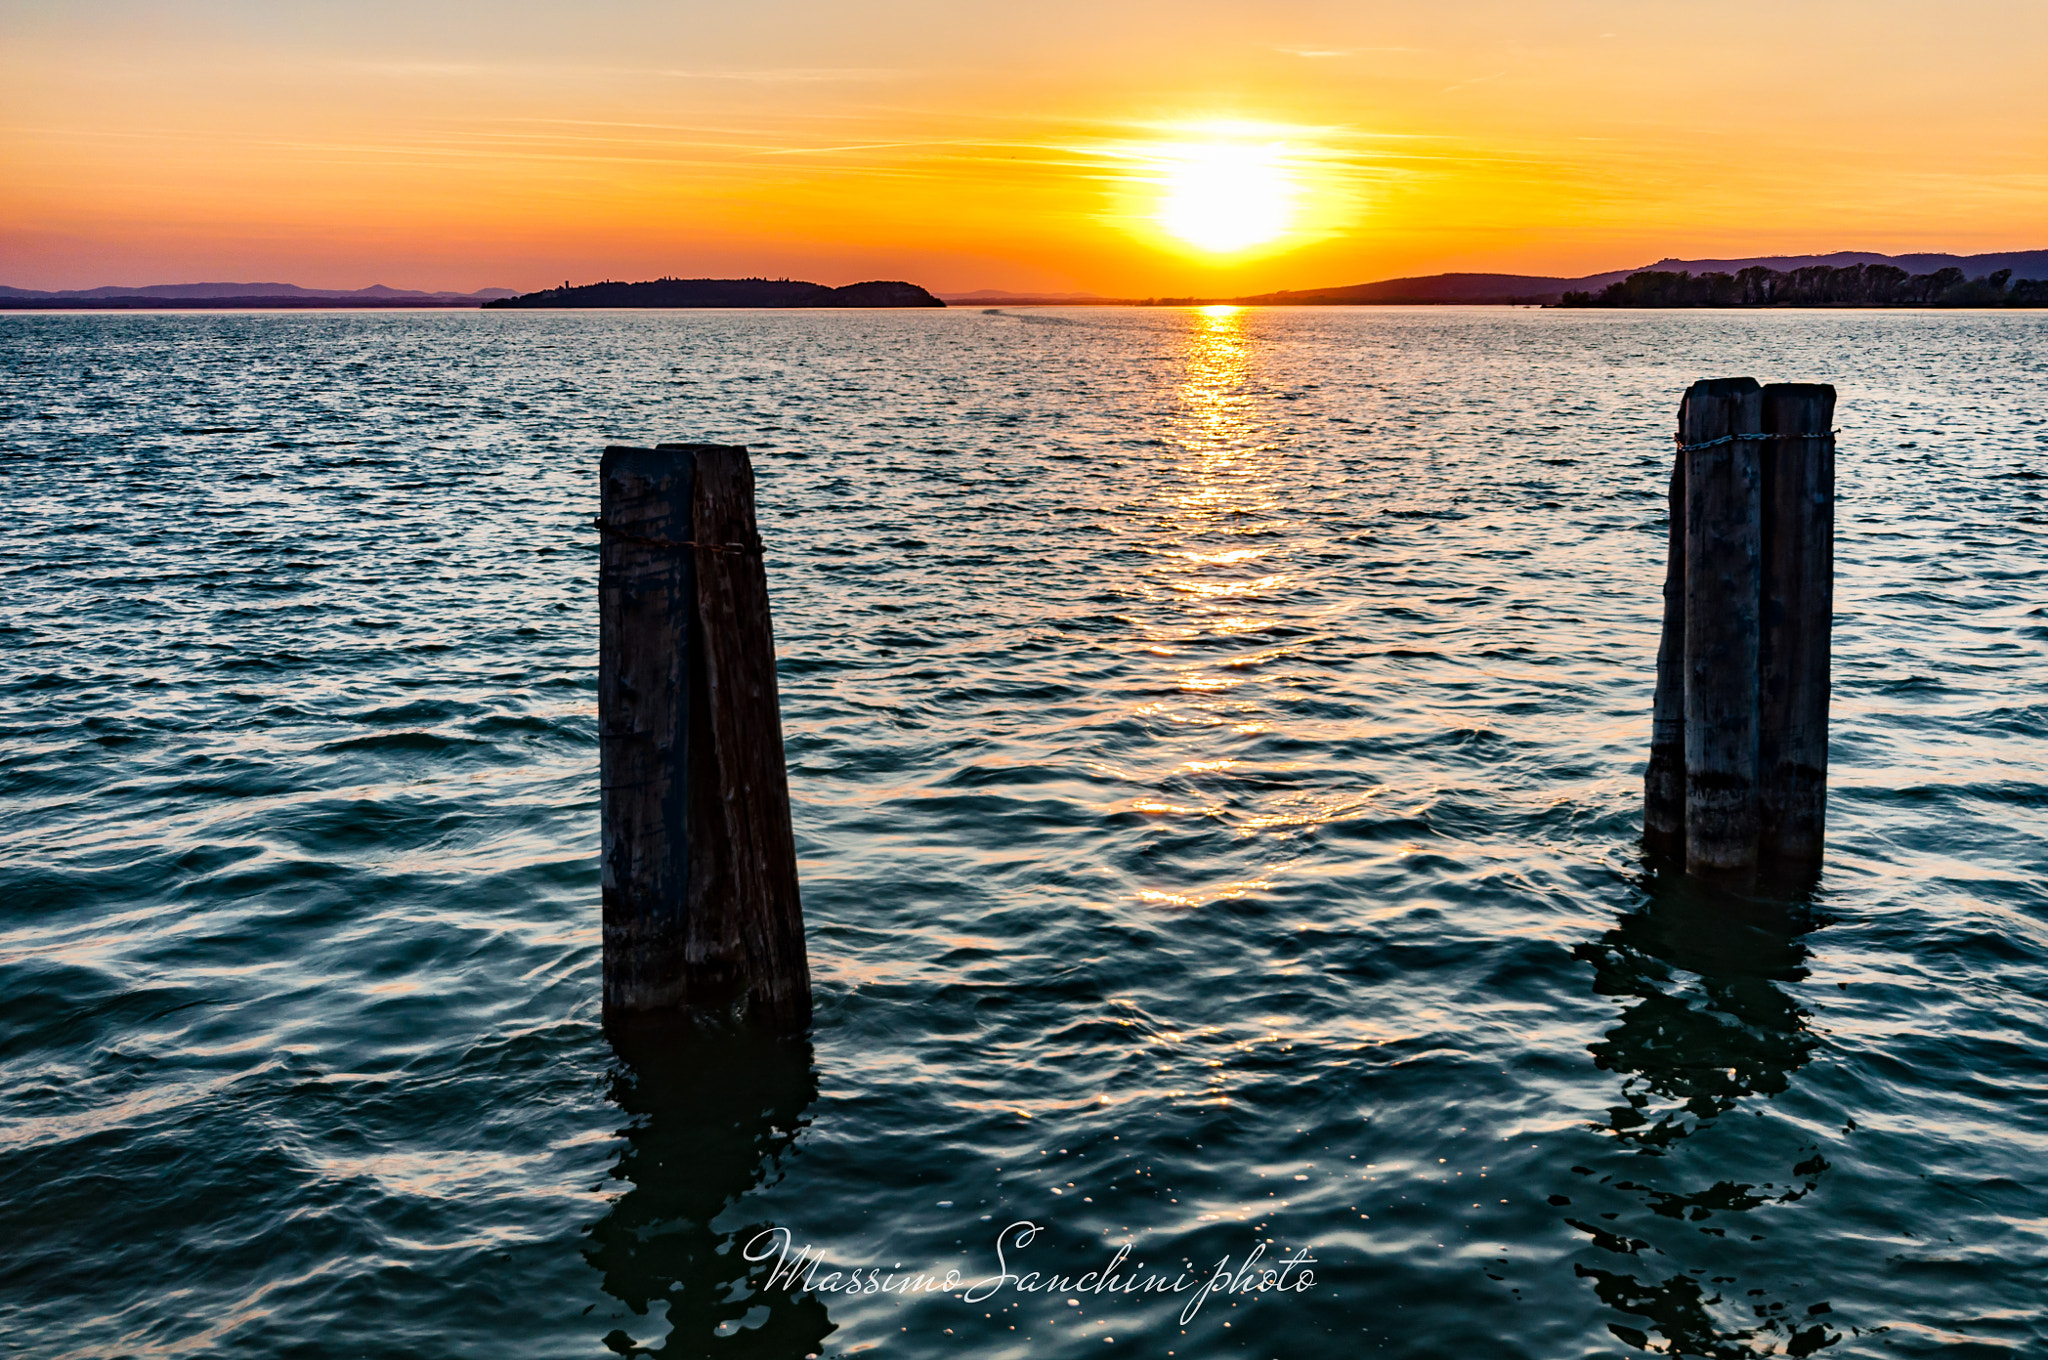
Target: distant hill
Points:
(1539, 289)
(726, 293)
(1465, 289)
(1471, 289)
(2024, 264)
(234, 295)
(294, 302)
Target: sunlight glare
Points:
(1226, 196)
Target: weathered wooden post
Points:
(1797, 622)
(1722, 563)
(1737, 777)
(701, 909)
(1664, 780)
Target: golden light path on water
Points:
(1219, 570)
(1221, 583)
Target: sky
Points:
(1125, 147)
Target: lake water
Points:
(1215, 740)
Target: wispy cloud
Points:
(772, 75)
(790, 75)
(861, 146)
(1321, 53)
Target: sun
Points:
(1223, 197)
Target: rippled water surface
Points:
(1215, 740)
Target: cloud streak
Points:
(1327, 53)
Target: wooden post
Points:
(646, 651)
(699, 864)
(1798, 550)
(1664, 780)
(1722, 551)
(749, 915)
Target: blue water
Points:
(1215, 740)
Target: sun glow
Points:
(1224, 197)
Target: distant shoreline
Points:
(1853, 286)
(1538, 290)
(235, 304)
(1874, 280)
(151, 305)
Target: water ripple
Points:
(1216, 741)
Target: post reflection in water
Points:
(1706, 1032)
(713, 1114)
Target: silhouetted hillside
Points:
(2025, 264)
(1472, 289)
(1857, 285)
(294, 302)
(726, 293)
(245, 295)
(1465, 289)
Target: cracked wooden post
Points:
(1664, 779)
(1722, 566)
(1798, 549)
(701, 908)
(1737, 777)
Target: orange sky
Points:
(450, 144)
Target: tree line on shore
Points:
(753, 292)
(1856, 285)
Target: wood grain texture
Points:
(1797, 620)
(699, 862)
(646, 604)
(747, 915)
(1664, 777)
(1722, 582)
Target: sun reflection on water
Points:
(1217, 509)
(1219, 413)
(1228, 466)
(1219, 584)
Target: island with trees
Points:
(725, 293)
(1856, 285)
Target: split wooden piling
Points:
(701, 907)
(1798, 607)
(1737, 777)
(1722, 560)
(1664, 780)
